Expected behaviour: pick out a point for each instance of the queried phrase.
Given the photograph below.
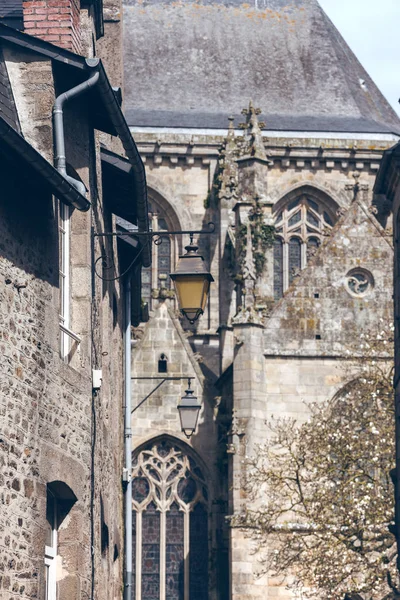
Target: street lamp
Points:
(188, 409)
(192, 283)
(191, 278)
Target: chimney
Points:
(55, 21)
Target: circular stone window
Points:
(359, 282)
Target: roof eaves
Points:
(111, 106)
(123, 132)
(60, 187)
(119, 186)
(38, 45)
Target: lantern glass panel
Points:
(188, 416)
(191, 292)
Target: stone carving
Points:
(359, 282)
(158, 475)
(249, 269)
(228, 171)
(357, 186)
(252, 127)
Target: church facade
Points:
(257, 117)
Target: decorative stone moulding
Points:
(359, 282)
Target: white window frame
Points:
(65, 283)
(50, 556)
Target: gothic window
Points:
(300, 227)
(156, 276)
(170, 525)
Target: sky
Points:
(371, 28)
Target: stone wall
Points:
(53, 427)
(297, 354)
(159, 417)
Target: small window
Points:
(51, 546)
(156, 279)
(163, 364)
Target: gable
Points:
(163, 335)
(346, 289)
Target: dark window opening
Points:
(116, 552)
(163, 364)
(104, 534)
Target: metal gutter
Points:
(59, 186)
(128, 439)
(58, 121)
(38, 45)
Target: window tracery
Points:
(170, 525)
(300, 226)
(359, 282)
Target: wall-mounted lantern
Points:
(189, 410)
(192, 283)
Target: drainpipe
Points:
(59, 139)
(128, 441)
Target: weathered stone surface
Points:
(52, 427)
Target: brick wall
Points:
(55, 21)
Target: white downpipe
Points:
(128, 441)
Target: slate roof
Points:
(11, 13)
(191, 63)
(8, 110)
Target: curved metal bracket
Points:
(157, 235)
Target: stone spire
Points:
(253, 127)
(253, 163)
(229, 172)
(249, 268)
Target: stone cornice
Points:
(299, 153)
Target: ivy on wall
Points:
(262, 236)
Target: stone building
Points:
(302, 265)
(61, 303)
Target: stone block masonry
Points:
(55, 21)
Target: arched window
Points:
(59, 501)
(156, 276)
(170, 525)
(300, 226)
